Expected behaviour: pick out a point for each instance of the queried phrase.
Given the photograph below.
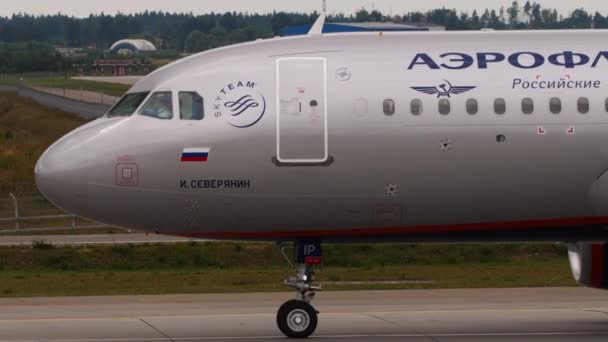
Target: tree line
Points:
(172, 30)
(29, 56)
(188, 32)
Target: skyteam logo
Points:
(240, 103)
(444, 89)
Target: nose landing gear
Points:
(297, 318)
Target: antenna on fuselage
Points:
(317, 28)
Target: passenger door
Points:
(301, 84)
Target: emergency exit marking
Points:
(571, 130)
(541, 130)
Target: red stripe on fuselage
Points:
(597, 265)
(362, 232)
(195, 159)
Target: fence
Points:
(20, 213)
(80, 95)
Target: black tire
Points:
(297, 319)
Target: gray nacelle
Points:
(589, 264)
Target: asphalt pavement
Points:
(89, 239)
(536, 314)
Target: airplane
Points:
(357, 138)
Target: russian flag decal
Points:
(195, 154)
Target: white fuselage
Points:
(410, 136)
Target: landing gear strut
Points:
(297, 318)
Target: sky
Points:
(82, 8)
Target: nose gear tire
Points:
(297, 319)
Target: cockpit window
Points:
(159, 105)
(127, 104)
(191, 106)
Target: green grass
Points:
(26, 130)
(62, 81)
(196, 255)
(159, 62)
(45, 270)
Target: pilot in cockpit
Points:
(160, 105)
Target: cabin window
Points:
(444, 107)
(416, 107)
(388, 106)
(500, 106)
(527, 106)
(583, 105)
(191, 106)
(159, 105)
(472, 106)
(127, 104)
(555, 105)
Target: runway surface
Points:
(89, 239)
(551, 314)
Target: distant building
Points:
(360, 27)
(119, 67)
(71, 52)
(130, 46)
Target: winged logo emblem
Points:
(444, 89)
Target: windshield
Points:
(127, 104)
(159, 105)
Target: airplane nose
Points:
(62, 174)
